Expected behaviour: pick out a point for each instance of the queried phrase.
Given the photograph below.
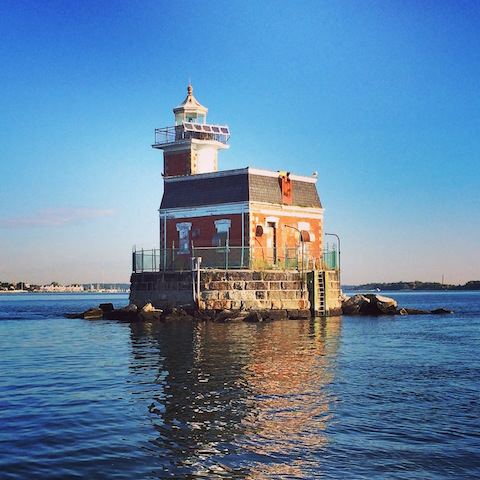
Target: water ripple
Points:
(333, 398)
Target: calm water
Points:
(341, 398)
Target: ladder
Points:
(321, 307)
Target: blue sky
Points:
(380, 97)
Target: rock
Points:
(128, 313)
(177, 314)
(276, 314)
(374, 304)
(441, 311)
(380, 305)
(300, 314)
(149, 313)
(93, 314)
(414, 311)
(224, 316)
(106, 307)
(254, 317)
(370, 304)
(354, 305)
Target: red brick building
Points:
(246, 218)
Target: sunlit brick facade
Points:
(264, 218)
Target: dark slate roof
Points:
(237, 186)
(267, 189)
(198, 190)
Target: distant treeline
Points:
(8, 286)
(471, 285)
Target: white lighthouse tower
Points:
(191, 146)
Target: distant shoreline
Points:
(63, 292)
(471, 286)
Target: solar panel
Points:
(201, 127)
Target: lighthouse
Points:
(191, 146)
(266, 225)
(241, 217)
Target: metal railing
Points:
(173, 134)
(232, 258)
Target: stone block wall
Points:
(250, 290)
(333, 293)
(221, 290)
(162, 289)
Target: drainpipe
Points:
(199, 261)
(192, 268)
(243, 237)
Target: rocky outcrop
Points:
(369, 304)
(374, 304)
(148, 313)
(93, 314)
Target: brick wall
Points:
(177, 163)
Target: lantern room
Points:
(191, 146)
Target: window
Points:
(221, 238)
(183, 230)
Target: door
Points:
(273, 229)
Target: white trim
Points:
(206, 211)
(240, 171)
(184, 226)
(304, 226)
(213, 143)
(222, 173)
(242, 207)
(273, 220)
(220, 225)
(173, 146)
(283, 210)
(269, 173)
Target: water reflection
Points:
(235, 399)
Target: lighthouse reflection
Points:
(237, 399)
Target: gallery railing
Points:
(232, 258)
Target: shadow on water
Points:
(236, 399)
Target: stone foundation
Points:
(163, 290)
(252, 290)
(221, 290)
(237, 290)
